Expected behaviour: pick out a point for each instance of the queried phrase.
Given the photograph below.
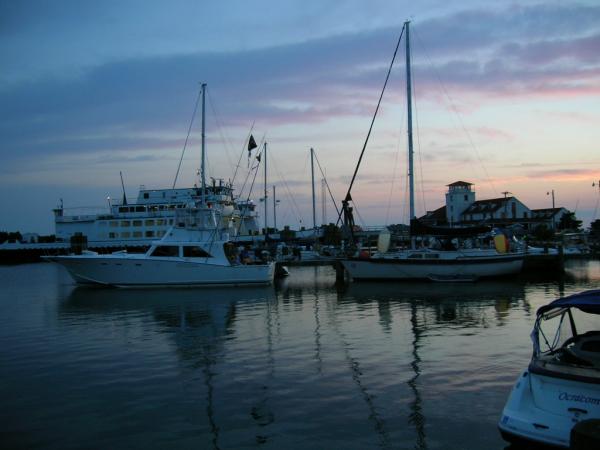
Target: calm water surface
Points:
(303, 364)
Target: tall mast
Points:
(266, 193)
(202, 165)
(411, 178)
(312, 176)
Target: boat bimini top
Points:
(568, 356)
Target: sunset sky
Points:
(507, 96)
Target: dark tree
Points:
(569, 222)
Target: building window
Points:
(166, 251)
(195, 252)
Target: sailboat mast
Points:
(203, 162)
(266, 192)
(312, 176)
(411, 177)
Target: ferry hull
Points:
(124, 272)
(439, 270)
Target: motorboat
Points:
(195, 251)
(561, 386)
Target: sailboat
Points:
(196, 250)
(456, 265)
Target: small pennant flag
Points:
(251, 143)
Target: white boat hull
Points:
(437, 270)
(143, 271)
(545, 409)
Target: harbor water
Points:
(304, 364)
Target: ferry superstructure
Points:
(152, 214)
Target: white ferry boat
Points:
(153, 213)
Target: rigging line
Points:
(244, 148)
(326, 184)
(389, 205)
(455, 110)
(387, 77)
(259, 152)
(226, 142)
(289, 192)
(419, 147)
(397, 153)
(243, 215)
(362, 221)
(187, 137)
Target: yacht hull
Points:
(458, 269)
(544, 409)
(124, 272)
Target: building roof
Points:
(490, 205)
(437, 214)
(460, 183)
(546, 212)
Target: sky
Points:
(506, 95)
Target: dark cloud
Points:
(513, 51)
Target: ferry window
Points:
(125, 223)
(137, 234)
(137, 223)
(125, 234)
(170, 221)
(112, 235)
(140, 209)
(123, 209)
(146, 195)
(114, 224)
(195, 252)
(160, 222)
(149, 222)
(166, 250)
(149, 233)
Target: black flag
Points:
(251, 143)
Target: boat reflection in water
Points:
(291, 362)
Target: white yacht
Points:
(195, 251)
(561, 386)
(454, 265)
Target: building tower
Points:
(458, 198)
